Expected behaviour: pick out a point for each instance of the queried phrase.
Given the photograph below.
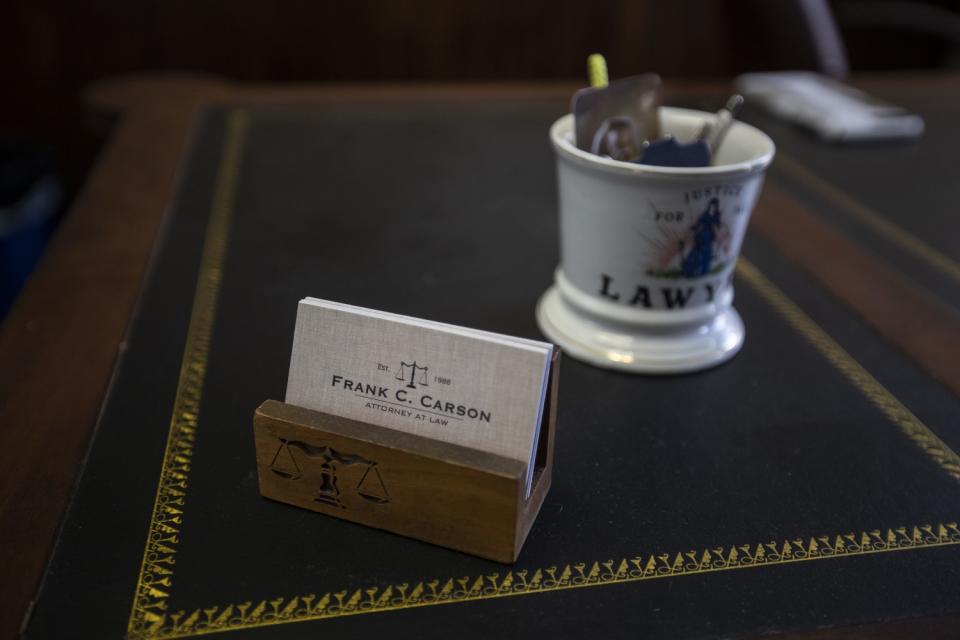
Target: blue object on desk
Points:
(667, 152)
(30, 198)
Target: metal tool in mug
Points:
(668, 152)
(615, 119)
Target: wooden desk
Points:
(59, 344)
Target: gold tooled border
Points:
(150, 616)
(159, 556)
(639, 568)
(868, 217)
(869, 386)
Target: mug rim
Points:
(565, 148)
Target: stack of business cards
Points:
(468, 387)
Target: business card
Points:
(468, 387)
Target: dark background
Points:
(51, 50)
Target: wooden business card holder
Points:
(433, 491)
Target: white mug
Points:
(647, 253)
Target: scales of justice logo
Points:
(689, 250)
(408, 373)
(370, 487)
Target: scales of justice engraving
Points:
(370, 487)
(411, 379)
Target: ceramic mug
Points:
(647, 253)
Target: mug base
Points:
(613, 345)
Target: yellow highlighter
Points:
(597, 70)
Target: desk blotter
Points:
(810, 482)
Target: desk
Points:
(841, 233)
